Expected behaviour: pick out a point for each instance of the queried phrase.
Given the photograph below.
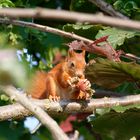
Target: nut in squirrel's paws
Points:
(84, 85)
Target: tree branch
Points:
(131, 56)
(52, 30)
(16, 110)
(45, 119)
(69, 16)
(106, 7)
(44, 29)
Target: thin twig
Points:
(69, 16)
(44, 29)
(106, 7)
(66, 106)
(106, 93)
(131, 56)
(45, 119)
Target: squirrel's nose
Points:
(79, 75)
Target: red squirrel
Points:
(65, 81)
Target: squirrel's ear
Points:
(83, 52)
(71, 53)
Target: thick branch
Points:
(44, 118)
(106, 7)
(69, 16)
(66, 107)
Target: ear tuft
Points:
(71, 53)
(83, 53)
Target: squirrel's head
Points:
(76, 63)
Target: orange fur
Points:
(54, 84)
(38, 86)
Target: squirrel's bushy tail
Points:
(37, 89)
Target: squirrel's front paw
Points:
(72, 81)
(54, 98)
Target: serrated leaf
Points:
(110, 74)
(117, 126)
(116, 36)
(121, 109)
(116, 108)
(85, 30)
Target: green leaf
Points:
(40, 42)
(84, 30)
(131, 5)
(118, 126)
(13, 38)
(128, 8)
(118, 4)
(6, 3)
(116, 36)
(3, 97)
(110, 74)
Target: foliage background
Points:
(37, 50)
